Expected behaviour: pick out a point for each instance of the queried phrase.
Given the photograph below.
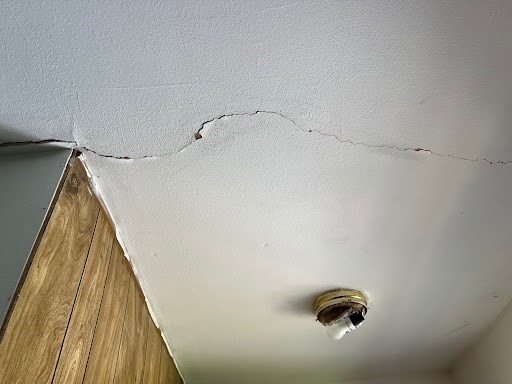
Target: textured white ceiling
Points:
(362, 144)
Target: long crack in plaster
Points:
(206, 124)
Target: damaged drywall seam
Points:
(199, 135)
(96, 191)
(417, 149)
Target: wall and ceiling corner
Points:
(81, 316)
(258, 153)
(97, 192)
(488, 359)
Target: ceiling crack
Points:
(197, 136)
(413, 149)
(72, 145)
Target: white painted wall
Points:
(488, 360)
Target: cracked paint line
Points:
(208, 124)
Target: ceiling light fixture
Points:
(340, 311)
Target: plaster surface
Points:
(487, 359)
(234, 235)
(361, 144)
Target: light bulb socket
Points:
(333, 306)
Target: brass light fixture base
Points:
(332, 306)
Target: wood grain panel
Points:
(132, 352)
(153, 350)
(175, 375)
(165, 372)
(81, 315)
(34, 335)
(79, 335)
(101, 366)
(168, 372)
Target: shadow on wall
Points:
(488, 360)
(298, 374)
(10, 134)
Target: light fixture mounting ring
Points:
(331, 306)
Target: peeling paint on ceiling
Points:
(252, 155)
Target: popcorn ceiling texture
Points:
(365, 144)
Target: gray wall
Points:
(29, 176)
